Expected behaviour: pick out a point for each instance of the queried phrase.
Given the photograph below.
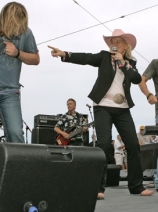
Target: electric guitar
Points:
(63, 141)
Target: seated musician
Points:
(71, 123)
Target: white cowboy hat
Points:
(131, 39)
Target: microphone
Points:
(88, 105)
(114, 49)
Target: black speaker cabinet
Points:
(51, 178)
(113, 175)
(43, 135)
(148, 156)
(86, 138)
(47, 135)
(41, 120)
(151, 130)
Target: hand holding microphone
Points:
(117, 57)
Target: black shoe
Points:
(157, 189)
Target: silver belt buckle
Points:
(119, 98)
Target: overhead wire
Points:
(123, 16)
(70, 33)
(91, 14)
(100, 23)
(119, 17)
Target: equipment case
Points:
(113, 175)
(52, 178)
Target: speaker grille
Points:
(43, 135)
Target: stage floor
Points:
(118, 199)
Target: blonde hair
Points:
(13, 19)
(128, 53)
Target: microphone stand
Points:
(27, 128)
(93, 135)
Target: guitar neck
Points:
(75, 132)
(79, 130)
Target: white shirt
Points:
(116, 87)
(118, 144)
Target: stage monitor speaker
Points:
(51, 178)
(148, 156)
(43, 135)
(151, 130)
(113, 175)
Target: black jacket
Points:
(106, 74)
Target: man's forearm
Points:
(58, 130)
(143, 86)
(29, 58)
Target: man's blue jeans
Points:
(10, 111)
(156, 178)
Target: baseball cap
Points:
(142, 128)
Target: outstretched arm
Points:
(79, 58)
(57, 52)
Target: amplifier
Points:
(41, 120)
(113, 175)
(151, 130)
(46, 120)
(43, 135)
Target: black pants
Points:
(104, 118)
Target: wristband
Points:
(18, 53)
(149, 95)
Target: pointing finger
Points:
(51, 47)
